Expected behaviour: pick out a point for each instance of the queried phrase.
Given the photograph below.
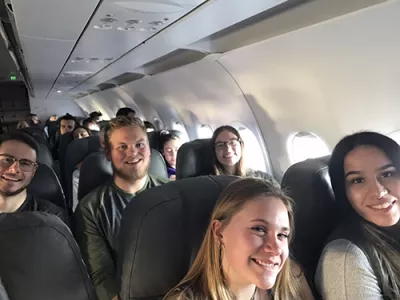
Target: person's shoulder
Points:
(340, 259)
(46, 206)
(156, 180)
(93, 200)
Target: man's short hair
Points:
(22, 137)
(125, 111)
(68, 117)
(32, 115)
(120, 122)
(87, 121)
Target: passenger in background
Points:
(245, 251)
(126, 112)
(98, 215)
(170, 144)
(81, 132)
(18, 164)
(96, 116)
(228, 152)
(91, 124)
(22, 124)
(67, 124)
(365, 248)
(149, 126)
(34, 119)
(53, 118)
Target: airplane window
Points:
(253, 153)
(305, 145)
(204, 132)
(395, 135)
(181, 128)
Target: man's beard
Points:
(130, 176)
(12, 193)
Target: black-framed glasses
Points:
(231, 143)
(6, 161)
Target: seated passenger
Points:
(18, 164)
(98, 215)
(126, 112)
(33, 119)
(96, 116)
(245, 252)
(91, 124)
(22, 124)
(170, 144)
(67, 124)
(228, 154)
(361, 259)
(79, 132)
(149, 126)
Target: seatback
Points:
(161, 233)
(64, 142)
(96, 169)
(45, 157)
(194, 159)
(45, 185)
(77, 151)
(308, 184)
(38, 133)
(40, 259)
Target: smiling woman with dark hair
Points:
(365, 248)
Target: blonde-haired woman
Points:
(244, 255)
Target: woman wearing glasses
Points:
(228, 154)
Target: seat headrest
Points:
(157, 165)
(38, 134)
(45, 185)
(161, 233)
(96, 169)
(76, 153)
(308, 184)
(38, 242)
(45, 157)
(194, 159)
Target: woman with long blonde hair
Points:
(244, 255)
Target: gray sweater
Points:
(344, 273)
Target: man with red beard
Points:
(18, 164)
(98, 215)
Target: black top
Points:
(34, 204)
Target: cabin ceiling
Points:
(76, 47)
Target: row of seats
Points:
(160, 235)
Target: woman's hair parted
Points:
(378, 245)
(217, 166)
(205, 279)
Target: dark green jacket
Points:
(97, 222)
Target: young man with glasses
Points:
(18, 164)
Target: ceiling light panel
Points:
(119, 26)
